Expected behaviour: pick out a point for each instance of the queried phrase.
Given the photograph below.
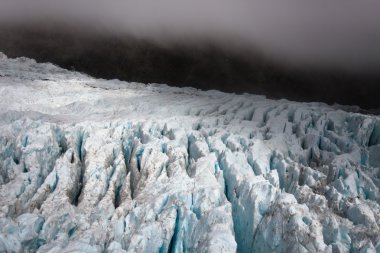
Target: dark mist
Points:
(301, 50)
(205, 65)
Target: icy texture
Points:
(91, 165)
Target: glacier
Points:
(92, 165)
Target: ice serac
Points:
(90, 165)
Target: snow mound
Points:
(89, 165)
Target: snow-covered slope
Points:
(91, 165)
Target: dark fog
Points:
(322, 50)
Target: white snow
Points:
(90, 165)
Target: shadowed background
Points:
(307, 51)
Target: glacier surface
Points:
(90, 165)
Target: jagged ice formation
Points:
(89, 165)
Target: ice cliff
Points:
(89, 165)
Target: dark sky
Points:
(337, 33)
(306, 50)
